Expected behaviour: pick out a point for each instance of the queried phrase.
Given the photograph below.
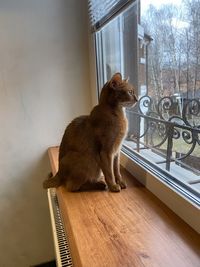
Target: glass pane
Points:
(157, 46)
(112, 47)
(117, 48)
(169, 84)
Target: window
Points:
(157, 47)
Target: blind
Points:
(101, 11)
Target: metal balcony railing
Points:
(169, 128)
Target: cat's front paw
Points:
(114, 188)
(122, 184)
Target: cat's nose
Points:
(135, 98)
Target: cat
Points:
(92, 143)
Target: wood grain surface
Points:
(127, 229)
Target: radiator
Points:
(61, 244)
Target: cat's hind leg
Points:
(82, 172)
(73, 184)
(98, 185)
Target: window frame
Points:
(176, 199)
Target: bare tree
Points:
(174, 54)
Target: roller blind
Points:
(101, 11)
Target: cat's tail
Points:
(52, 181)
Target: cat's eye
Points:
(130, 92)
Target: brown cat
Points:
(92, 143)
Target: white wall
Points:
(44, 83)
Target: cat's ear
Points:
(116, 80)
(126, 80)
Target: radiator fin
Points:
(62, 239)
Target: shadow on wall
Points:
(21, 205)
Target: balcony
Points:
(165, 134)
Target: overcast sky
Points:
(179, 24)
(157, 3)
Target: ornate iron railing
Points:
(171, 128)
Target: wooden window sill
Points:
(130, 228)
